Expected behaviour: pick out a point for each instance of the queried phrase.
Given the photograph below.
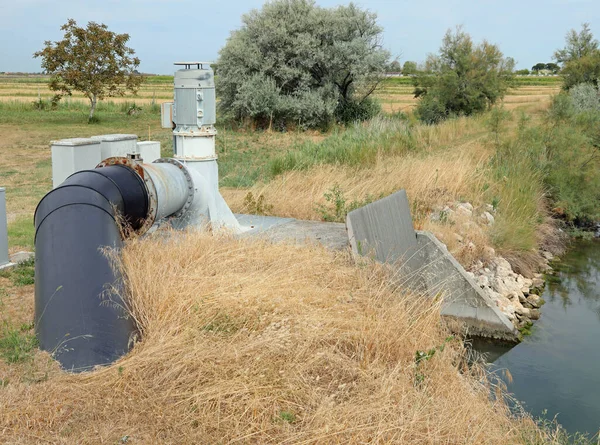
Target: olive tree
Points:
(92, 60)
(580, 58)
(462, 79)
(295, 62)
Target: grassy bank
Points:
(265, 343)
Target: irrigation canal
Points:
(556, 370)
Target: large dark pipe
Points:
(77, 317)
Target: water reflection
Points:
(556, 370)
(579, 270)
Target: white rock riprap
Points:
(511, 291)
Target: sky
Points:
(166, 31)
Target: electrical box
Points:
(73, 155)
(195, 100)
(116, 144)
(149, 151)
(166, 115)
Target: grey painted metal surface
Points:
(73, 155)
(195, 100)
(4, 258)
(384, 231)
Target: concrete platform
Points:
(331, 235)
(16, 259)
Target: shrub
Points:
(580, 58)
(293, 62)
(463, 79)
(585, 97)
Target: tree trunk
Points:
(93, 100)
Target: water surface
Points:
(556, 370)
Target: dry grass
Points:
(428, 180)
(449, 165)
(247, 342)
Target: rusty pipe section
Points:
(81, 316)
(169, 185)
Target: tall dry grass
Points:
(429, 180)
(248, 342)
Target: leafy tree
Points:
(580, 58)
(538, 67)
(295, 62)
(463, 79)
(552, 67)
(92, 60)
(584, 70)
(409, 68)
(523, 72)
(394, 67)
(578, 45)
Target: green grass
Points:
(21, 232)
(21, 275)
(356, 146)
(17, 345)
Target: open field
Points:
(395, 94)
(398, 96)
(266, 343)
(30, 89)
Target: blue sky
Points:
(164, 31)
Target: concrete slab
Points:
(331, 235)
(16, 259)
(463, 299)
(383, 228)
(260, 223)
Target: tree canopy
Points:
(295, 62)
(462, 79)
(578, 45)
(409, 68)
(580, 58)
(92, 60)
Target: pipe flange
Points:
(150, 188)
(188, 178)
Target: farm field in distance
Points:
(29, 88)
(396, 94)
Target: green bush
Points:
(295, 63)
(463, 79)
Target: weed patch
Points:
(22, 274)
(17, 345)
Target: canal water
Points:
(556, 370)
